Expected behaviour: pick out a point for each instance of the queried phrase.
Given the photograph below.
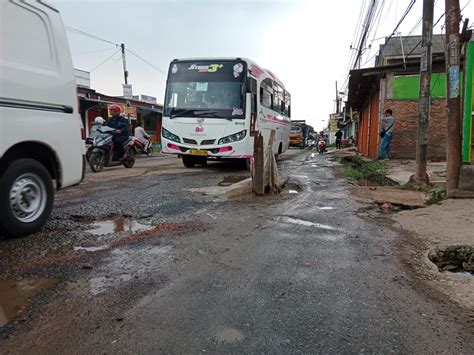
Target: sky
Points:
(305, 43)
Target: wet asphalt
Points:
(296, 273)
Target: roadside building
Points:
(93, 104)
(143, 108)
(394, 84)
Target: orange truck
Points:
(298, 133)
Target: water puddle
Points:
(302, 222)
(292, 191)
(117, 225)
(325, 208)
(123, 265)
(14, 296)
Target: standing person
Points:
(120, 124)
(142, 136)
(338, 138)
(388, 124)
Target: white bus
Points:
(214, 108)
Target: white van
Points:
(41, 134)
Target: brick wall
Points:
(404, 138)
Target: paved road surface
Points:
(300, 273)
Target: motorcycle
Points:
(141, 147)
(310, 143)
(322, 146)
(103, 154)
(89, 147)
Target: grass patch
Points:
(352, 173)
(371, 170)
(436, 195)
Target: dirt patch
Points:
(439, 227)
(454, 259)
(405, 199)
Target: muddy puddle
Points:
(117, 225)
(15, 295)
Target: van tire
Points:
(23, 176)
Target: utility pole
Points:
(425, 92)
(125, 72)
(337, 99)
(453, 101)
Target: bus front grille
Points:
(189, 141)
(208, 141)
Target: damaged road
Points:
(300, 272)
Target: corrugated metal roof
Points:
(393, 48)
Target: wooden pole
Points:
(453, 101)
(258, 181)
(425, 92)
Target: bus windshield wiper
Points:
(180, 111)
(210, 113)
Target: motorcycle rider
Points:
(120, 124)
(321, 137)
(142, 136)
(98, 122)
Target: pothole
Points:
(230, 180)
(117, 225)
(292, 188)
(15, 296)
(458, 259)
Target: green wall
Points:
(407, 87)
(468, 105)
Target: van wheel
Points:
(26, 197)
(189, 161)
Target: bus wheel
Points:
(189, 161)
(244, 164)
(201, 161)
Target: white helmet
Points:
(99, 120)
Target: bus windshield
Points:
(197, 88)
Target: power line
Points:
(105, 61)
(85, 34)
(97, 51)
(146, 61)
(367, 24)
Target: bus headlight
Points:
(168, 135)
(233, 138)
